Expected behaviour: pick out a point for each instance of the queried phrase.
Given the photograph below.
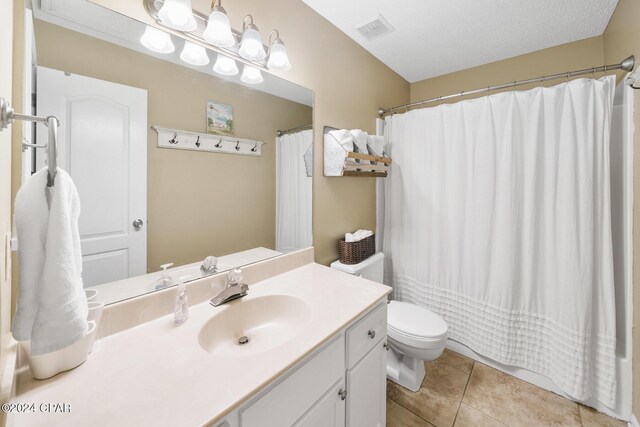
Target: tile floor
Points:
(463, 393)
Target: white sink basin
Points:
(267, 321)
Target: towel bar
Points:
(8, 116)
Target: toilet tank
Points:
(371, 268)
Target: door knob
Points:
(137, 224)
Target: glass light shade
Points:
(157, 40)
(194, 54)
(218, 31)
(278, 58)
(251, 45)
(178, 15)
(225, 66)
(251, 75)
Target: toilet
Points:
(414, 334)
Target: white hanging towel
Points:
(52, 306)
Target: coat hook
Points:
(219, 144)
(198, 142)
(255, 148)
(237, 145)
(174, 140)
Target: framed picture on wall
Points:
(219, 118)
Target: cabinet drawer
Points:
(364, 335)
(288, 401)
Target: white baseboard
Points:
(633, 422)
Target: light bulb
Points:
(251, 45)
(178, 15)
(157, 40)
(278, 58)
(251, 75)
(194, 54)
(225, 66)
(218, 31)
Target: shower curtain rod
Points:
(294, 130)
(626, 65)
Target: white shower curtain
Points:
(497, 217)
(293, 192)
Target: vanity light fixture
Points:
(251, 75)
(214, 32)
(157, 40)
(218, 31)
(278, 58)
(177, 14)
(225, 66)
(251, 45)
(194, 54)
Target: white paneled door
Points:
(103, 145)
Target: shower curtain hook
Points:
(542, 81)
(568, 77)
(593, 73)
(440, 100)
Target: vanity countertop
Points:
(158, 374)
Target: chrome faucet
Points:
(234, 290)
(209, 266)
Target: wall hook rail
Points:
(184, 140)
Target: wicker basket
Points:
(356, 252)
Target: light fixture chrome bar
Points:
(626, 65)
(153, 7)
(294, 130)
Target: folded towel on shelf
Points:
(360, 140)
(357, 236)
(344, 138)
(376, 145)
(52, 306)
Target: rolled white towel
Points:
(357, 235)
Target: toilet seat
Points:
(416, 326)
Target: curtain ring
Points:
(593, 73)
(422, 104)
(567, 77)
(440, 100)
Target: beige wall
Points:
(199, 204)
(6, 63)
(349, 85)
(622, 38)
(568, 57)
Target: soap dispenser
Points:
(181, 309)
(165, 280)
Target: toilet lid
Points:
(413, 321)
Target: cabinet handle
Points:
(386, 346)
(372, 333)
(342, 393)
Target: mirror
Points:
(173, 162)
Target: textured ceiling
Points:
(435, 37)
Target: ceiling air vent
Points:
(375, 28)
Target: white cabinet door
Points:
(102, 144)
(329, 411)
(367, 389)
